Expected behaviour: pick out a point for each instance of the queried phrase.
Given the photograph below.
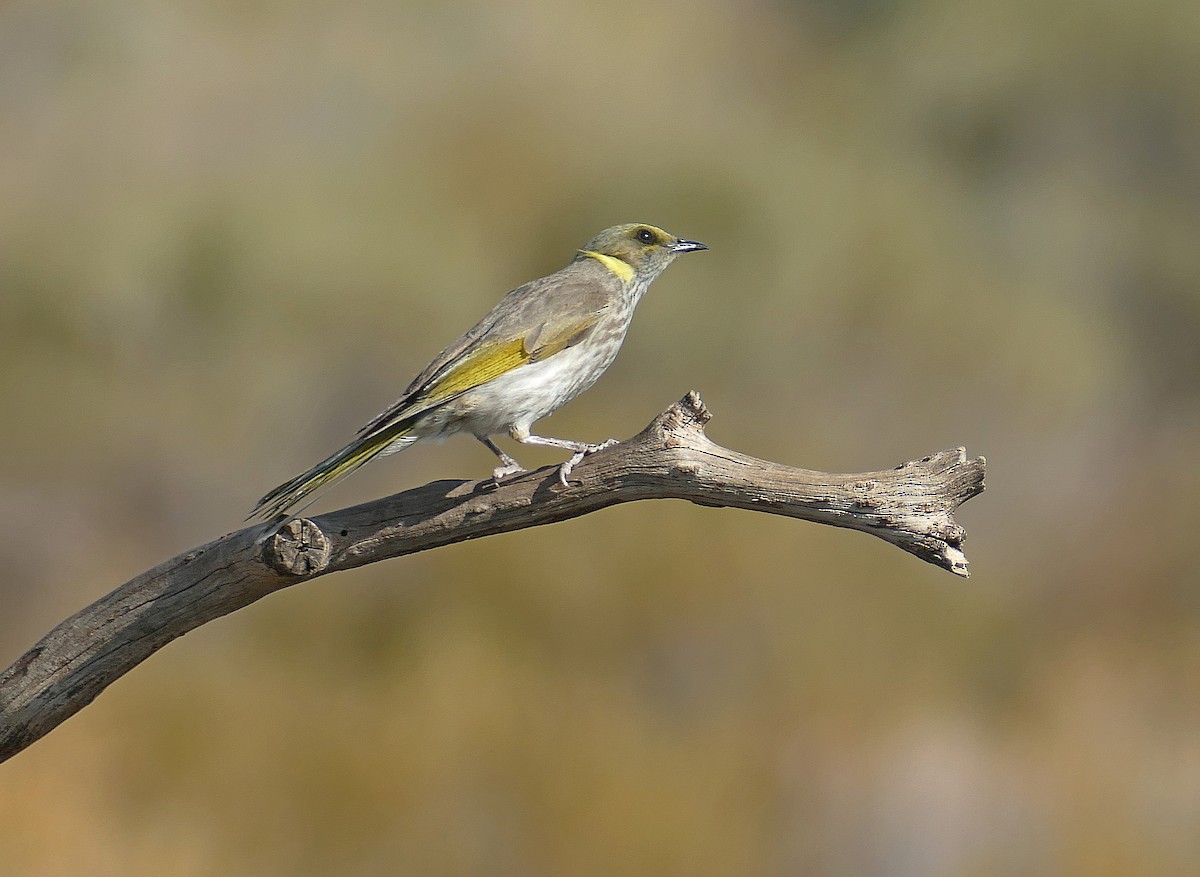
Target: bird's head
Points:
(637, 251)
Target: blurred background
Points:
(231, 232)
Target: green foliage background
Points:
(230, 232)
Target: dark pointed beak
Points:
(682, 246)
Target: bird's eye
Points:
(646, 236)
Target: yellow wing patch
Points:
(619, 267)
(488, 362)
(492, 360)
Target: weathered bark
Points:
(911, 506)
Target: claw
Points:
(508, 469)
(564, 471)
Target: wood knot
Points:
(695, 407)
(688, 415)
(300, 548)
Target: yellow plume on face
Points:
(618, 267)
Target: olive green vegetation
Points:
(231, 233)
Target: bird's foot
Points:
(512, 467)
(564, 471)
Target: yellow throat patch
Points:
(622, 269)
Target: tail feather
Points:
(331, 469)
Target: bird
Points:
(542, 345)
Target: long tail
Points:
(394, 437)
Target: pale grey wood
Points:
(911, 506)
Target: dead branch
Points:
(911, 506)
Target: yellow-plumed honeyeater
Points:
(540, 347)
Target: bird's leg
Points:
(508, 466)
(581, 449)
